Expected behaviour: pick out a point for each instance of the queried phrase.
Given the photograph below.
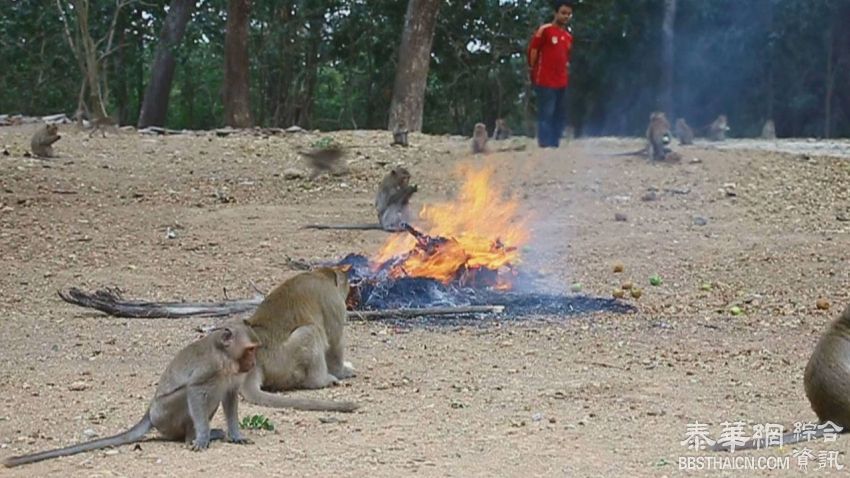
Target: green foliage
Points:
(256, 422)
(329, 64)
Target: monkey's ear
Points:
(226, 336)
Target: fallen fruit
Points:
(636, 293)
(822, 304)
(705, 286)
(627, 285)
(655, 280)
(618, 293)
(619, 267)
(735, 310)
(576, 287)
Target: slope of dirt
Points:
(597, 395)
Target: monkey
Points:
(400, 134)
(684, 132)
(43, 139)
(393, 199)
(300, 324)
(103, 123)
(826, 380)
(769, 130)
(392, 204)
(204, 374)
(502, 130)
(718, 128)
(325, 159)
(479, 139)
(658, 135)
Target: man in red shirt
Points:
(548, 62)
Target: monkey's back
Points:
(827, 375)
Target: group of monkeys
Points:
(659, 136)
(294, 340)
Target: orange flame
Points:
(483, 231)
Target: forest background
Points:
(439, 65)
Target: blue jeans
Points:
(551, 115)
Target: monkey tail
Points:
(132, 435)
(787, 439)
(640, 152)
(252, 393)
(360, 227)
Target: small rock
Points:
(295, 129)
(620, 217)
(627, 285)
(89, 433)
(619, 267)
(700, 221)
(78, 386)
(292, 173)
(822, 304)
(649, 196)
(843, 217)
(112, 452)
(695, 160)
(537, 417)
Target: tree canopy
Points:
(330, 64)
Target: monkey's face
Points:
(402, 175)
(248, 360)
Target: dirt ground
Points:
(758, 225)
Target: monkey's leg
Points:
(336, 365)
(231, 415)
(306, 346)
(196, 398)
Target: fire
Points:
(480, 232)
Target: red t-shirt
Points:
(553, 45)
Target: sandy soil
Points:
(739, 224)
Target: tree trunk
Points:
(155, 103)
(830, 84)
(667, 34)
(237, 98)
(311, 71)
(408, 101)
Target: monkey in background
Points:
(479, 139)
(718, 128)
(102, 123)
(658, 136)
(769, 130)
(42, 140)
(400, 134)
(326, 159)
(301, 325)
(502, 130)
(684, 132)
(392, 204)
(204, 374)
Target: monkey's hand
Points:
(239, 440)
(200, 443)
